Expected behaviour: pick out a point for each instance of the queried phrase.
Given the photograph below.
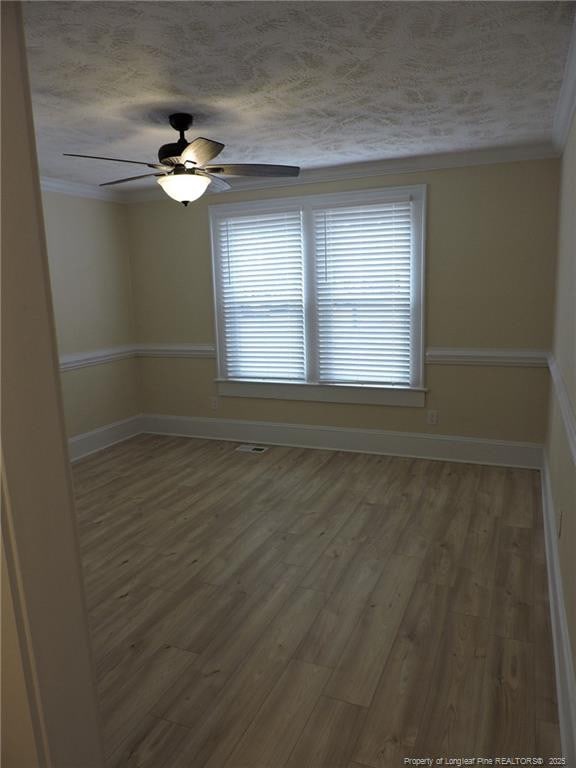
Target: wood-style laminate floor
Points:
(313, 609)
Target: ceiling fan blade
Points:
(130, 178)
(114, 160)
(252, 169)
(201, 151)
(216, 184)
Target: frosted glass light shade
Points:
(184, 187)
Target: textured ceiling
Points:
(308, 83)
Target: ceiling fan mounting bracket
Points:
(181, 121)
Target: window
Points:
(319, 296)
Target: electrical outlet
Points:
(214, 403)
(432, 417)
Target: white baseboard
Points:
(444, 447)
(565, 679)
(102, 437)
(472, 450)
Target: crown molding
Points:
(75, 189)
(511, 358)
(566, 105)
(400, 165)
(365, 170)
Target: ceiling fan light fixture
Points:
(184, 187)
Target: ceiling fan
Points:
(183, 173)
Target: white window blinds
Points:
(260, 280)
(363, 286)
(321, 289)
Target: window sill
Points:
(363, 394)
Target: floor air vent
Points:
(252, 448)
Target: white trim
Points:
(566, 104)
(324, 393)
(103, 437)
(310, 299)
(565, 679)
(424, 446)
(216, 293)
(95, 357)
(100, 356)
(418, 287)
(524, 358)
(472, 450)
(397, 165)
(566, 407)
(530, 358)
(383, 194)
(76, 189)
(175, 350)
(455, 448)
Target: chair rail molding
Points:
(488, 356)
(175, 350)
(523, 358)
(70, 362)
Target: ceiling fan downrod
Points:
(170, 153)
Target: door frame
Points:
(39, 532)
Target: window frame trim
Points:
(311, 390)
(365, 394)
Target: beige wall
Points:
(490, 251)
(92, 293)
(560, 459)
(89, 272)
(99, 395)
(499, 403)
(142, 272)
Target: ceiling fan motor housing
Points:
(170, 153)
